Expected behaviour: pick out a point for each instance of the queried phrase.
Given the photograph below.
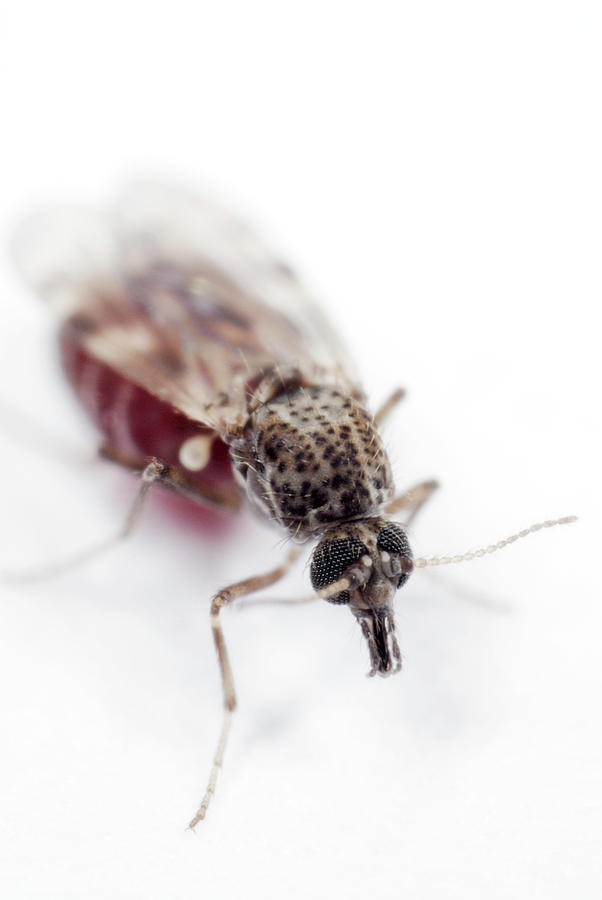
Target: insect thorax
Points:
(311, 456)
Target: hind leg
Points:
(154, 472)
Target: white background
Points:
(434, 169)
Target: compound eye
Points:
(330, 561)
(393, 541)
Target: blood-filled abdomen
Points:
(137, 426)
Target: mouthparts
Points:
(378, 627)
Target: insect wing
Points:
(65, 254)
(181, 298)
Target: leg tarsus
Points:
(216, 766)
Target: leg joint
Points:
(220, 599)
(155, 470)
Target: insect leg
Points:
(413, 499)
(105, 451)
(281, 601)
(176, 478)
(26, 431)
(389, 404)
(221, 599)
(154, 472)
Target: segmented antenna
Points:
(421, 562)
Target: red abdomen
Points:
(135, 424)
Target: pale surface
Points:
(435, 169)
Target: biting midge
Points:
(209, 369)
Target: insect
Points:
(209, 370)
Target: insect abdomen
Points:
(135, 424)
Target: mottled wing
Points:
(181, 298)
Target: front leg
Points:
(412, 500)
(390, 403)
(221, 599)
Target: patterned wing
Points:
(181, 298)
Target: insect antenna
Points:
(421, 562)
